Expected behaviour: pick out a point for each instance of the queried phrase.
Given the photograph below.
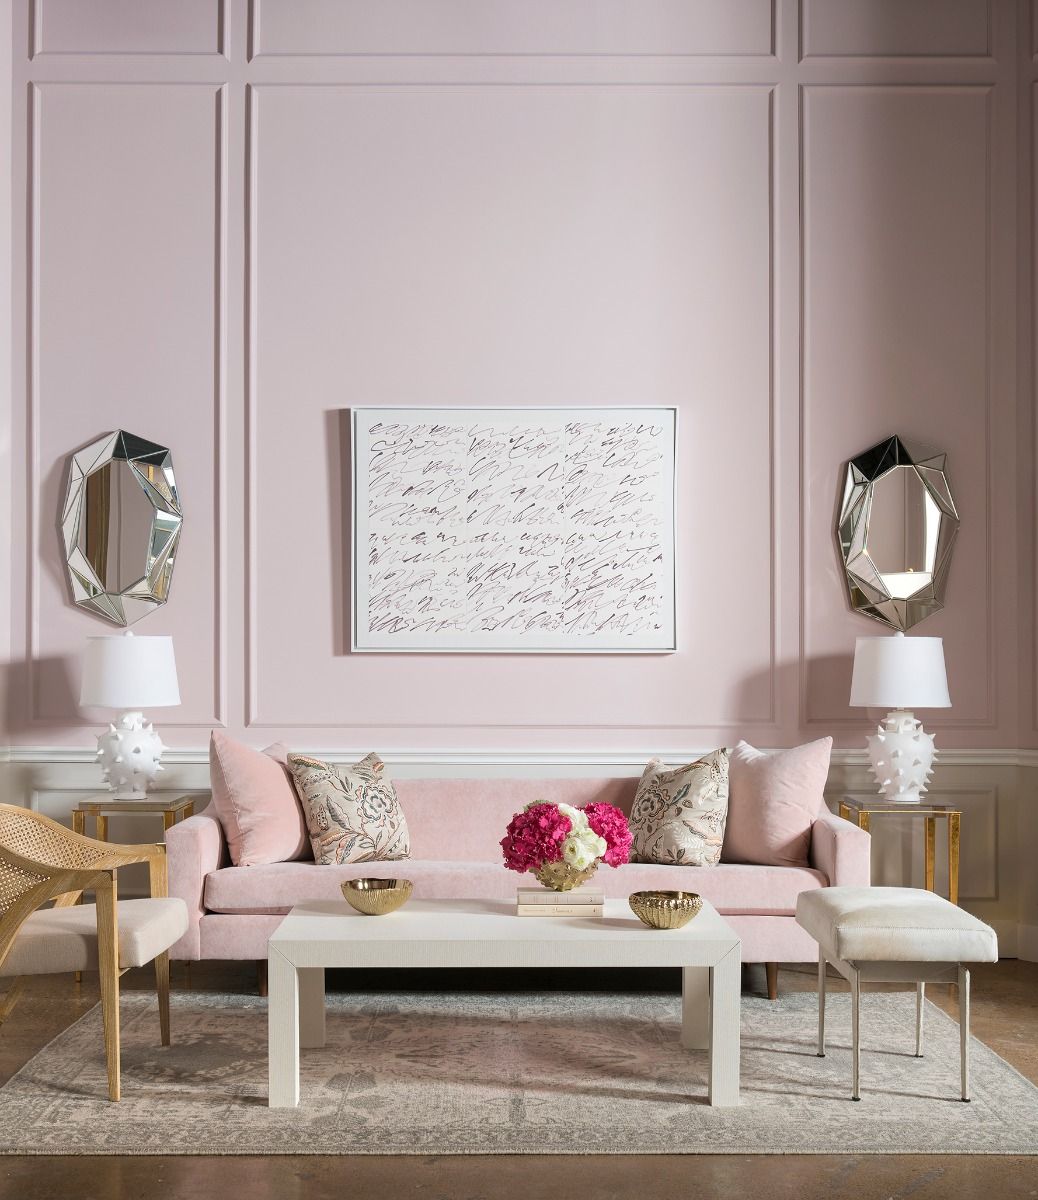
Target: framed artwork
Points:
(511, 530)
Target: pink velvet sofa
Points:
(456, 826)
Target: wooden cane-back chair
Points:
(41, 861)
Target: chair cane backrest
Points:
(32, 835)
(16, 881)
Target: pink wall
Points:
(594, 204)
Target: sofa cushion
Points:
(731, 888)
(465, 819)
(352, 812)
(679, 813)
(773, 800)
(256, 802)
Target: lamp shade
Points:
(899, 672)
(129, 672)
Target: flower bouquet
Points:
(562, 845)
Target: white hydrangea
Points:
(581, 849)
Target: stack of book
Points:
(540, 902)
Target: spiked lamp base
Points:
(130, 754)
(902, 756)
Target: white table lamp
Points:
(131, 673)
(900, 673)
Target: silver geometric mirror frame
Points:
(896, 529)
(120, 525)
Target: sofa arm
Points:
(193, 848)
(841, 851)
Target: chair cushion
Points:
(274, 889)
(891, 924)
(54, 940)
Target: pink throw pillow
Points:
(773, 800)
(256, 802)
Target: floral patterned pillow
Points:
(352, 813)
(678, 815)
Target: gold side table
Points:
(864, 810)
(172, 808)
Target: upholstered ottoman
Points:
(895, 935)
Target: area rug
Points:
(559, 1073)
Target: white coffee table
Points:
(487, 933)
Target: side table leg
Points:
(953, 857)
(311, 1006)
(283, 1033)
(695, 1008)
(724, 1030)
(167, 821)
(102, 827)
(931, 847)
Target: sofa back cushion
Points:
(465, 819)
(773, 800)
(352, 813)
(256, 803)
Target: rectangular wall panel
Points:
(511, 246)
(124, 234)
(343, 27)
(896, 334)
(126, 26)
(896, 28)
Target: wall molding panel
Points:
(41, 559)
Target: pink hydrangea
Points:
(611, 825)
(535, 837)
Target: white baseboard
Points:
(1027, 942)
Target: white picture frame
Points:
(426, 578)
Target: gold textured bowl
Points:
(376, 897)
(665, 910)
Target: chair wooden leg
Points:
(261, 976)
(108, 972)
(10, 997)
(162, 988)
(771, 971)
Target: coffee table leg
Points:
(695, 1008)
(725, 980)
(282, 1031)
(311, 1006)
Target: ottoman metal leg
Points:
(855, 1038)
(920, 996)
(964, 1029)
(821, 1004)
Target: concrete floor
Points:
(1005, 1016)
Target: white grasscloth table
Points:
(487, 933)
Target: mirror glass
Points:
(121, 526)
(896, 527)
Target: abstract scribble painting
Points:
(514, 529)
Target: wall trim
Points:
(29, 755)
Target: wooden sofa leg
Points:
(771, 970)
(261, 976)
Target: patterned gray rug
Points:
(562, 1073)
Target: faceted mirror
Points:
(121, 526)
(896, 528)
